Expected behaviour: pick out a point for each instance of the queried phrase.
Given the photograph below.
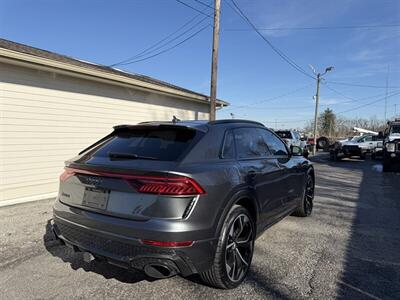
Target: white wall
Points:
(47, 118)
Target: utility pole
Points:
(214, 63)
(319, 78)
(316, 113)
(386, 94)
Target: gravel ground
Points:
(348, 249)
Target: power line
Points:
(318, 27)
(151, 48)
(370, 103)
(270, 99)
(163, 44)
(195, 9)
(168, 49)
(351, 98)
(204, 4)
(275, 49)
(363, 85)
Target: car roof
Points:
(202, 125)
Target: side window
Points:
(228, 148)
(275, 145)
(250, 143)
(368, 138)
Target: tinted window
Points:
(365, 138)
(284, 134)
(228, 148)
(275, 145)
(165, 144)
(395, 129)
(250, 143)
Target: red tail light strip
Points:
(167, 244)
(147, 184)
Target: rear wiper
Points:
(120, 155)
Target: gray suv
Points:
(181, 197)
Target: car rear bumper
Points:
(119, 248)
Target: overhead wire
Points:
(287, 59)
(369, 103)
(165, 41)
(170, 48)
(319, 27)
(271, 99)
(193, 8)
(363, 85)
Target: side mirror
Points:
(296, 151)
(381, 135)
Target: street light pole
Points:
(319, 78)
(214, 64)
(316, 113)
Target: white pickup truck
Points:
(357, 146)
(292, 138)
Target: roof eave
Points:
(18, 58)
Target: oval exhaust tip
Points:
(158, 271)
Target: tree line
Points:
(329, 124)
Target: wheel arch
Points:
(243, 197)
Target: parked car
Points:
(181, 198)
(358, 146)
(292, 138)
(391, 146)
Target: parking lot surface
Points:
(348, 249)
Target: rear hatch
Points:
(129, 174)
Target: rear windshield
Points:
(165, 144)
(284, 134)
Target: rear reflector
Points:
(167, 244)
(160, 185)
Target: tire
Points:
(222, 273)
(323, 143)
(306, 205)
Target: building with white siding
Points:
(52, 106)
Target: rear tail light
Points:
(167, 244)
(167, 186)
(66, 174)
(160, 185)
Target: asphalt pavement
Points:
(348, 249)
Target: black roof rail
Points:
(232, 121)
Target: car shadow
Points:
(131, 276)
(76, 261)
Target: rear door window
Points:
(250, 143)
(165, 144)
(275, 145)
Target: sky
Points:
(258, 83)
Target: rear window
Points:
(165, 144)
(284, 134)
